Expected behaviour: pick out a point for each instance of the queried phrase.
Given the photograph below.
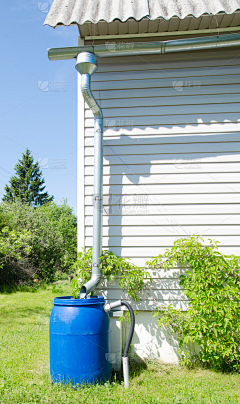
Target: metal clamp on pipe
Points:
(113, 305)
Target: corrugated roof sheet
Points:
(67, 12)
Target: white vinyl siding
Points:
(171, 158)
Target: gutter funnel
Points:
(86, 65)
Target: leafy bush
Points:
(212, 285)
(4, 219)
(52, 240)
(14, 252)
(65, 220)
(131, 277)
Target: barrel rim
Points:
(70, 301)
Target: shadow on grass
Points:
(136, 367)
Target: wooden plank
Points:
(157, 295)
(149, 252)
(174, 134)
(164, 148)
(141, 209)
(181, 166)
(164, 241)
(140, 261)
(167, 189)
(168, 92)
(150, 305)
(167, 110)
(170, 120)
(211, 231)
(176, 100)
(161, 73)
(171, 178)
(157, 284)
(162, 159)
(196, 81)
(103, 28)
(201, 129)
(198, 209)
(113, 27)
(170, 273)
(156, 62)
(171, 199)
(168, 220)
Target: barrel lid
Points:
(70, 301)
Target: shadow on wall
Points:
(150, 341)
(135, 192)
(165, 287)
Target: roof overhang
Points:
(124, 18)
(190, 25)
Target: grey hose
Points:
(132, 325)
(113, 305)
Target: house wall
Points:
(171, 160)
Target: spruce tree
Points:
(27, 185)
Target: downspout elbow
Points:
(88, 96)
(90, 285)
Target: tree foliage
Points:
(212, 285)
(50, 232)
(27, 185)
(14, 250)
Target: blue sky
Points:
(38, 103)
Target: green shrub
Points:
(131, 277)
(52, 240)
(14, 253)
(212, 285)
(66, 222)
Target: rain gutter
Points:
(147, 48)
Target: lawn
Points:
(24, 370)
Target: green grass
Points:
(24, 366)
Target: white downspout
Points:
(86, 65)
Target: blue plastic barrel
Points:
(79, 341)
